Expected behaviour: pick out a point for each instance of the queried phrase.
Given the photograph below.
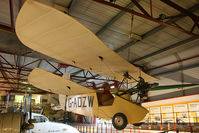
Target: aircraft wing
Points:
(58, 35)
(53, 83)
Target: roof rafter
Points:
(109, 23)
(156, 29)
(115, 18)
(165, 49)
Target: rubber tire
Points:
(124, 119)
(137, 124)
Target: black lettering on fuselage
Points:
(90, 101)
(84, 101)
(69, 103)
(75, 102)
(79, 101)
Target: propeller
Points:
(142, 88)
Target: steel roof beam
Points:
(109, 23)
(115, 18)
(71, 4)
(155, 20)
(58, 69)
(140, 7)
(181, 9)
(174, 62)
(178, 69)
(165, 49)
(38, 65)
(11, 15)
(156, 29)
(77, 72)
(54, 67)
(5, 27)
(2, 78)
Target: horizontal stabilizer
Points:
(172, 87)
(53, 83)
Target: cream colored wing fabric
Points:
(56, 84)
(58, 35)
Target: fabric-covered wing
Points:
(56, 84)
(59, 36)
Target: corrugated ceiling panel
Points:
(174, 50)
(186, 3)
(92, 26)
(65, 3)
(4, 12)
(114, 38)
(93, 11)
(193, 73)
(183, 54)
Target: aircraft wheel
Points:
(119, 121)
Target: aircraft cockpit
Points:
(105, 98)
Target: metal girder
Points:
(174, 62)
(115, 18)
(21, 92)
(140, 7)
(77, 72)
(54, 67)
(38, 65)
(17, 68)
(156, 29)
(11, 15)
(5, 76)
(5, 27)
(178, 69)
(6, 61)
(14, 79)
(181, 9)
(30, 63)
(146, 17)
(2, 82)
(58, 69)
(11, 72)
(165, 49)
(71, 4)
(24, 68)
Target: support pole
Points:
(7, 100)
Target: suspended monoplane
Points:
(58, 35)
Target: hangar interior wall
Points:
(182, 110)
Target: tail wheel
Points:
(119, 121)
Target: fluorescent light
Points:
(112, 86)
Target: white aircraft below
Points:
(43, 125)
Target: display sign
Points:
(194, 112)
(181, 113)
(167, 114)
(155, 115)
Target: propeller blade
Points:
(172, 87)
